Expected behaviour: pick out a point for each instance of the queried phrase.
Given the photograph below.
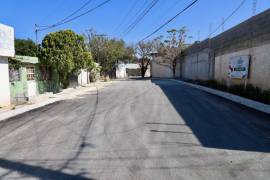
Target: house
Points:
(6, 50)
(28, 78)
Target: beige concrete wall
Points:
(197, 66)
(163, 70)
(259, 74)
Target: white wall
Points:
(7, 48)
(83, 77)
(148, 72)
(121, 71)
(4, 82)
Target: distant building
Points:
(129, 70)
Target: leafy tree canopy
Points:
(107, 52)
(25, 47)
(66, 52)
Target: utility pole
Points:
(254, 7)
(223, 24)
(209, 52)
(199, 35)
(36, 32)
(210, 30)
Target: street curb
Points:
(237, 99)
(12, 113)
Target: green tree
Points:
(25, 47)
(130, 55)
(65, 51)
(106, 51)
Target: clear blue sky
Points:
(23, 14)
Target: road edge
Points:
(237, 99)
(27, 108)
(12, 113)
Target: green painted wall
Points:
(18, 89)
(46, 86)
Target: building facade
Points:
(28, 78)
(6, 50)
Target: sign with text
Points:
(6, 41)
(239, 67)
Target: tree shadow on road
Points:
(36, 171)
(216, 122)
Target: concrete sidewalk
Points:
(49, 98)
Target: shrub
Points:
(250, 91)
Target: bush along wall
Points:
(250, 91)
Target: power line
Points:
(127, 15)
(140, 17)
(78, 10)
(140, 9)
(76, 17)
(69, 16)
(163, 16)
(168, 10)
(227, 18)
(58, 6)
(171, 19)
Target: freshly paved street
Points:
(138, 129)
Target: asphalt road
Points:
(138, 129)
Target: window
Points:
(14, 74)
(30, 73)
